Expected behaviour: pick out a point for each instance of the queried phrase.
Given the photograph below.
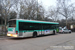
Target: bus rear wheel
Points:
(35, 34)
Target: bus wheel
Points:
(35, 34)
(69, 32)
(54, 32)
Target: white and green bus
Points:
(27, 28)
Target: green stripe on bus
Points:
(38, 22)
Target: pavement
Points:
(50, 42)
(3, 37)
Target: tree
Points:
(6, 5)
(28, 9)
(1, 18)
(53, 13)
(65, 8)
(13, 15)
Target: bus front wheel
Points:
(35, 34)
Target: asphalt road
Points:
(50, 42)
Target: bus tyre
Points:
(54, 32)
(35, 34)
(69, 32)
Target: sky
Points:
(47, 3)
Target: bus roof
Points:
(35, 21)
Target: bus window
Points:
(12, 23)
(29, 26)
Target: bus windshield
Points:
(12, 23)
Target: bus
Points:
(27, 28)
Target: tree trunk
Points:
(66, 22)
(5, 25)
(2, 24)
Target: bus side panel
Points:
(17, 26)
(48, 32)
(45, 32)
(27, 34)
